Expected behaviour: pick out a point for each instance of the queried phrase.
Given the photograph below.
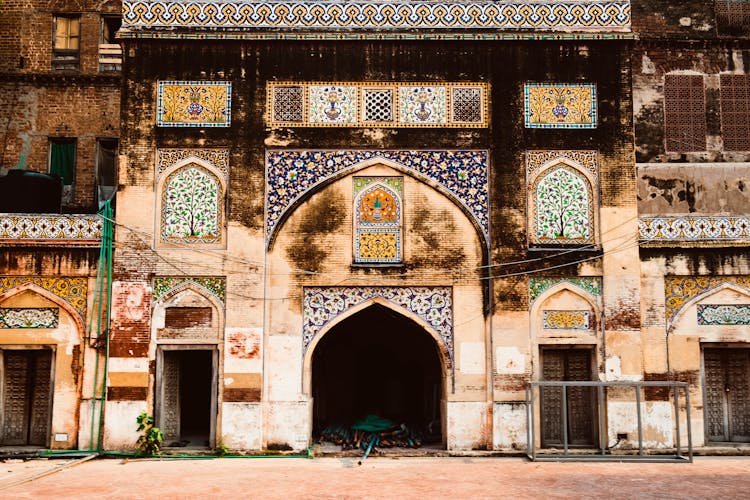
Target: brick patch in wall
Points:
(128, 349)
(242, 395)
(127, 393)
(186, 317)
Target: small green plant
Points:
(221, 450)
(151, 437)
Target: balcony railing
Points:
(51, 229)
(685, 230)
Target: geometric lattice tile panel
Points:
(71, 290)
(194, 104)
(215, 286)
(434, 305)
(589, 284)
(377, 219)
(29, 317)
(376, 104)
(559, 105)
(566, 320)
(50, 228)
(679, 290)
(722, 314)
(384, 15)
(218, 158)
(694, 228)
(292, 173)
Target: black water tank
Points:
(23, 191)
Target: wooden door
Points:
(727, 394)
(567, 365)
(27, 397)
(168, 417)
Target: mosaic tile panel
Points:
(375, 245)
(290, 174)
(215, 286)
(589, 284)
(586, 160)
(563, 208)
(566, 320)
(377, 104)
(190, 206)
(218, 158)
(559, 105)
(377, 219)
(694, 228)
(679, 290)
(583, 15)
(434, 305)
(78, 228)
(71, 290)
(194, 104)
(29, 317)
(725, 315)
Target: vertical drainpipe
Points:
(107, 242)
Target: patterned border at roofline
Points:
(215, 286)
(51, 228)
(365, 35)
(694, 228)
(291, 174)
(585, 15)
(71, 290)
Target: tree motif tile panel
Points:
(566, 320)
(217, 157)
(212, 285)
(423, 104)
(332, 104)
(190, 207)
(72, 290)
(589, 284)
(29, 317)
(434, 305)
(694, 228)
(290, 174)
(193, 104)
(679, 290)
(563, 210)
(385, 15)
(723, 314)
(560, 105)
(52, 228)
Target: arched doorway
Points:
(378, 362)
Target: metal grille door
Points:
(727, 394)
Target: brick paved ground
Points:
(462, 478)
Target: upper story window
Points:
(62, 163)
(735, 112)
(733, 17)
(66, 43)
(684, 113)
(110, 52)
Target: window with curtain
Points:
(62, 163)
(66, 47)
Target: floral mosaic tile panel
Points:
(167, 157)
(679, 290)
(566, 320)
(377, 104)
(694, 228)
(376, 245)
(721, 314)
(563, 208)
(50, 228)
(377, 219)
(538, 160)
(215, 286)
(386, 15)
(290, 174)
(190, 207)
(194, 104)
(432, 304)
(559, 105)
(71, 290)
(29, 317)
(589, 284)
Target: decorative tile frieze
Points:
(217, 157)
(566, 320)
(193, 104)
(434, 305)
(589, 284)
(377, 104)
(694, 228)
(215, 286)
(29, 317)
(290, 174)
(560, 105)
(50, 228)
(70, 290)
(387, 15)
(679, 290)
(723, 314)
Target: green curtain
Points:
(62, 161)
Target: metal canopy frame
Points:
(605, 452)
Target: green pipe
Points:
(108, 229)
(97, 309)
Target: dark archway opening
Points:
(381, 363)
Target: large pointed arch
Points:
(701, 297)
(31, 287)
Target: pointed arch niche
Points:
(378, 220)
(563, 198)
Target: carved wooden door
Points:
(27, 397)
(169, 405)
(727, 394)
(568, 365)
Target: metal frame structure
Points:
(604, 452)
